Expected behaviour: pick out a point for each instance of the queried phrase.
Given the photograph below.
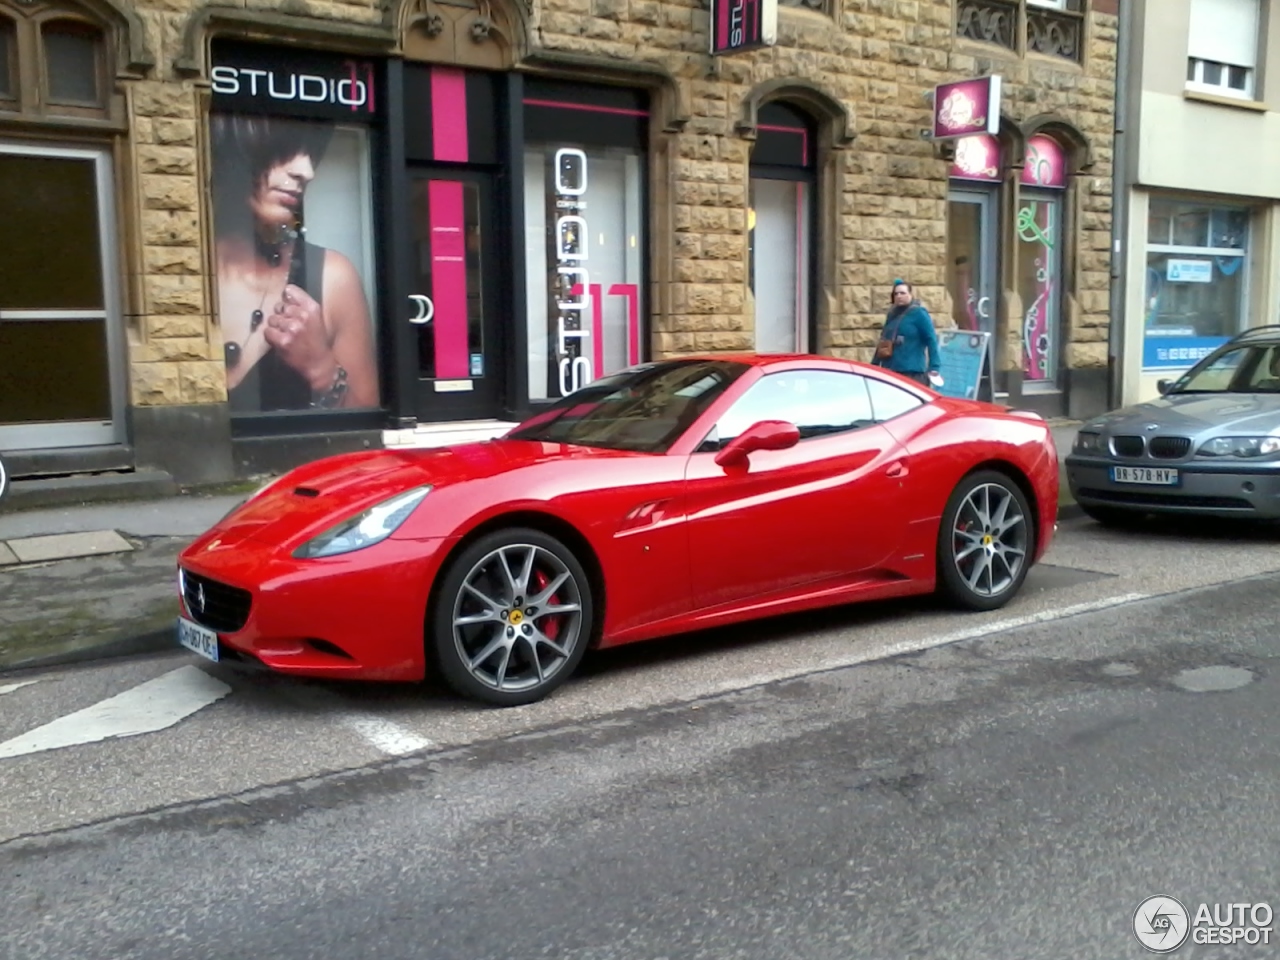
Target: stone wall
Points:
(880, 57)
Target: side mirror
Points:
(765, 435)
(1163, 386)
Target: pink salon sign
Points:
(966, 107)
(977, 158)
(1045, 164)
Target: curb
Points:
(162, 641)
(145, 644)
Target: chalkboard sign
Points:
(964, 363)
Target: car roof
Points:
(769, 359)
(1267, 334)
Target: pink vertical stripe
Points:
(597, 331)
(722, 23)
(449, 114)
(632, 292)
(449, 278)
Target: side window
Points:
(888, 401)
(818, 402)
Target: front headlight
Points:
(364, 529)
(1087, 442)
(1240, 447)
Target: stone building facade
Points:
(516, 196)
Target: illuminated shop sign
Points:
(296, 83)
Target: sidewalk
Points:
(98, 580)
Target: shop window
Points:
(1196, 283)
(585, 233)
(1053, 28)
(973, 211)
(1222, 54)
(8, 61)
(780, 229)
(293, 232)
(72, 62)
(1039, 230)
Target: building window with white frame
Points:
(1196, 285)
(1222, 53)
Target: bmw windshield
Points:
(643, 409)
(1246, 368)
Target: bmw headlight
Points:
(364, 529)
(1087, 442)
(1240, 447)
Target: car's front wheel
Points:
(985, 541)
(512, 618)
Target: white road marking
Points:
(10, 687)
(883, 651)
(385, 735)
(146, 708)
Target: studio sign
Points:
(287, 86)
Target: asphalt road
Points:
(1013, 795)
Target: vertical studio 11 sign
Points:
(576, 366)
(740, 25)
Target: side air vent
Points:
(306, 492)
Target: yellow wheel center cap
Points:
(516, 617)
(987, 540)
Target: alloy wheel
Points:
(989, 540)
(517, 618)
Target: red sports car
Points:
(670, 497)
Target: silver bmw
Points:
(1209, 446)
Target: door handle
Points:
(897, 469)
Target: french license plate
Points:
(198, 639)
(1158, 476)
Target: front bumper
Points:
(359, 616)
(1203, 489)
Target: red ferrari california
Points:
(673, 496)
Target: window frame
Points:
(32, 98)
(1196, 65)
(876, 381)
(1021, 11)
(98, 36)
(11, 92)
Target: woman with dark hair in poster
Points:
(295, 320)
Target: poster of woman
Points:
(294, 308)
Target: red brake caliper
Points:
(550, 625)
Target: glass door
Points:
(61, 354)
(971, 262)
(454, 308)
(780, 264)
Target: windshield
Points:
(644, 408)
(1247, 368)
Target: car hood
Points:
(1195, 414)
(313, 497)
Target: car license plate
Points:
(198, 639)
(1158, 476)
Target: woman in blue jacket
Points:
(907, 337)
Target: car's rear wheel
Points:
(1113, 516)
(512, 618)
(985, 542)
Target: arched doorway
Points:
(781, 217)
